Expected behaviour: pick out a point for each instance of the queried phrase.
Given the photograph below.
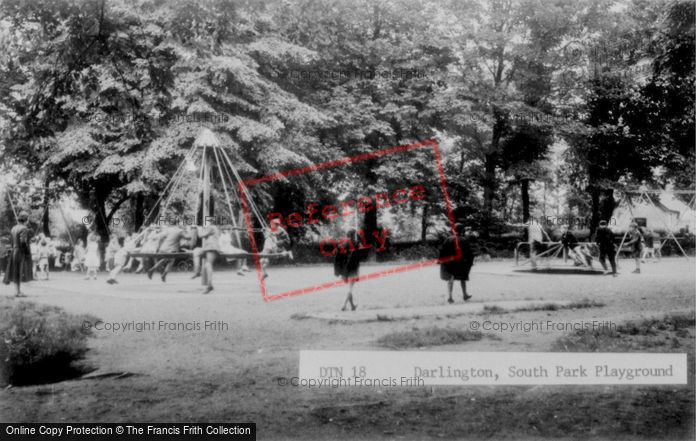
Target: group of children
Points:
(155, 248)
(641, 243)
(42, 247)
(204, 244)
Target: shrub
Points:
(40, 344)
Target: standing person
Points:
(18, 269)
(605, 239)
(651, 245)
(44, 252)
(111, 251)
(636, 241)
(196, 250)
(346, 264)
(55, 252)
(92, 256)
(457, 269)
(4, 255)
(79, 256)
(535, 237)
(34, 249)
(210, 252)
(655, 246)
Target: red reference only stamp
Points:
(418, 179)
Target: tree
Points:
(506, 72)
(375, 73)
(83, 96)
(627, 136)
(662, 114)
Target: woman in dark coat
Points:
(457, 269)
(19, 266)
(347, 264)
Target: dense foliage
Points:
(104, 97)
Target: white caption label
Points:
(392, 368)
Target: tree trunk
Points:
(424, 224)
(595, 209)
(489, 182)
(608, 206)
(370, 219)
(525, 198)
(45, 217)
(490, 164)
(101, 227)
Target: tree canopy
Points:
(106, 96)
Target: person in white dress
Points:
(92, 256)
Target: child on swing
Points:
(276, 242)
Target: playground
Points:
(229, 355)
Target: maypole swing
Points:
(210, 160)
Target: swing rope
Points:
(227, 172)
(229, 176)
(169, 184)
(252, 205)
(12, 205)
(223, 184)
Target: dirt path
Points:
(231, 372)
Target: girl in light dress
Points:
(92, 256)
(34, 249)
(78, 256)
(44, 252)
(111, 252)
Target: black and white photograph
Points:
(347, 220)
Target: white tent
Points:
(660, 210)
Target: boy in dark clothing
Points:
(606, 244)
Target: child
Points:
(656, 247)
(346, 265)
(122, 256)
(78, 256)
(210, 252)
(574, 248)
(606, 244)
(34, 250)
(111, 251)
(151, 242)
(275, 243)
(92, 257)
(637, 243)
(227, 247)
(44, 252)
